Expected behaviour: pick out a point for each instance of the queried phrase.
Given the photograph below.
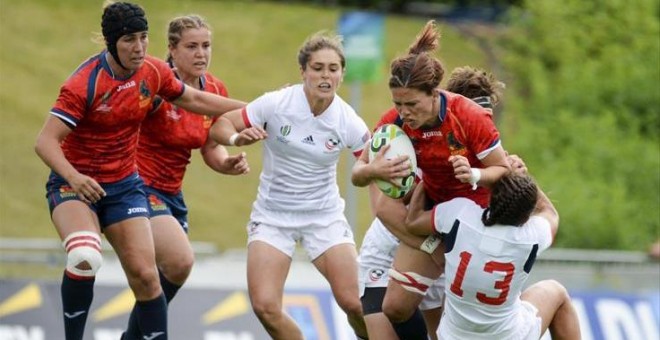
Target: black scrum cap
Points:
(119, 19)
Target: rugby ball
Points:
(400, 144)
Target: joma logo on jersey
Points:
(126, 86)
(136, 210)
(428, 134)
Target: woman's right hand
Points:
(389, 170)
(88, 190)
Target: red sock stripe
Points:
(78, 277)
(84, 238)
(411, 282)
(75, 245)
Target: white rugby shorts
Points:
(375, 259)
(314, 239)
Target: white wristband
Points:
(232, 139)
(430, 243)
(475, 176)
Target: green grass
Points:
(255, 46)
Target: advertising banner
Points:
(31, 310)
(363, 45)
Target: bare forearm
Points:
(491, 174)
(222, 130)
(361, 174)
(544, 205)
(214, 156)
(392, 214)
(52, 155)
(206, 103)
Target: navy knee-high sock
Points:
(152, 318)
(169, 289)
(413, 328)
(77, 296)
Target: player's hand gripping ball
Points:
(400, 144)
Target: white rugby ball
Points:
(400, 144)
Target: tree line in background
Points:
(401, 5)
(484, 10)
(582, 106)
(586, 95)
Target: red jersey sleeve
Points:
(169, 87)
(479, 132)
(70, 106)
(215, 85)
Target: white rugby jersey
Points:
(301, 152)
(486, 268)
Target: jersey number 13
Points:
(503, 285)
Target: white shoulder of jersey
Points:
(539, 229)
(447, 212)
(270, 102)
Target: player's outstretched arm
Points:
(419, 221)
(230, 129)
(206, 103)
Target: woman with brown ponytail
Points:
(459, 152)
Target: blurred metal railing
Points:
(577, 269)
(594, 256)
(50, 251)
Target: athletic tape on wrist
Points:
(475, 176)
(430, 243)
(232, 139)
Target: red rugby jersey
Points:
(105, 114)
(467, 129)
(167, 137)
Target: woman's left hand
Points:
(462, 168)
(236, 165)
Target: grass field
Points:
(255, 46)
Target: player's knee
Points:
(350, 304)
(396, 312)
(552, 291)
(83, 250)
(267, 311)
(178, 270)
(400, 311)
(558, 290)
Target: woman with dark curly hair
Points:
(489, 253)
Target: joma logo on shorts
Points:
(136, 210)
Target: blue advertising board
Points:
(32, 311)
(363, 45)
